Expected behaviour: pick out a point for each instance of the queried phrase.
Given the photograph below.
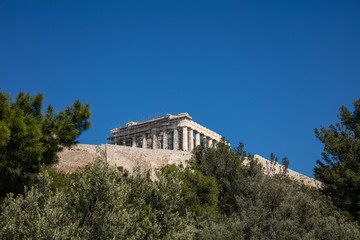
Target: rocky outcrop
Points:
(146, 159)
(149, 159)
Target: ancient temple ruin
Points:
(175, 132)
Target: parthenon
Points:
(175, 132)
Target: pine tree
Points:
(340, 168)
(30, 138)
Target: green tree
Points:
(272, 157)
(258, 206)
(103, 202)
(285, 162)
(339, 169)
(100, 202)
(200, 192)
(30, 138)
(227, 166)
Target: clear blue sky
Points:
(265, 73)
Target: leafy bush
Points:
(216, 197)
(257, 206)
(99, 203)
(200, 192)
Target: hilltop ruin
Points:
(154, 143)
(175, 132)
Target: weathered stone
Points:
(130, 158)
(197, 139)
(191, 139)
(149, 159)
(185, 138)
(165, 140)
(157, 126)
(176, 140)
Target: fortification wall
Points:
(128, 157)
(272, 168)
(149, 159)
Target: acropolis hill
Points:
(154, 143)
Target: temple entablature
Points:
(175, 132)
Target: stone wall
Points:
(128, 157)
(272, 168)
(149, 159)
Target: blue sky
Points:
(265, 73)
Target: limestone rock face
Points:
(272, 168)
(146, 159)
(149, 159)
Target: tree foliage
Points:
(102, 202)
(340, 168)
(221, 194)
(285, 162)
(258, 206)
(30, 138)
(227, 166)
(200, 192)
(99, 203)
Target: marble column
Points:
(133, 144)
(154, 141)
(165, 140)
(197, 139)
(144, 141)
(176, 140)
(191, 139)
(210, 143)
(185, 139)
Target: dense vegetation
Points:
(216, 197)
(256, 206)
(340, 168)
(222, 193)
(30, 138)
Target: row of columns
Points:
(187, 139)
(190, 146)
